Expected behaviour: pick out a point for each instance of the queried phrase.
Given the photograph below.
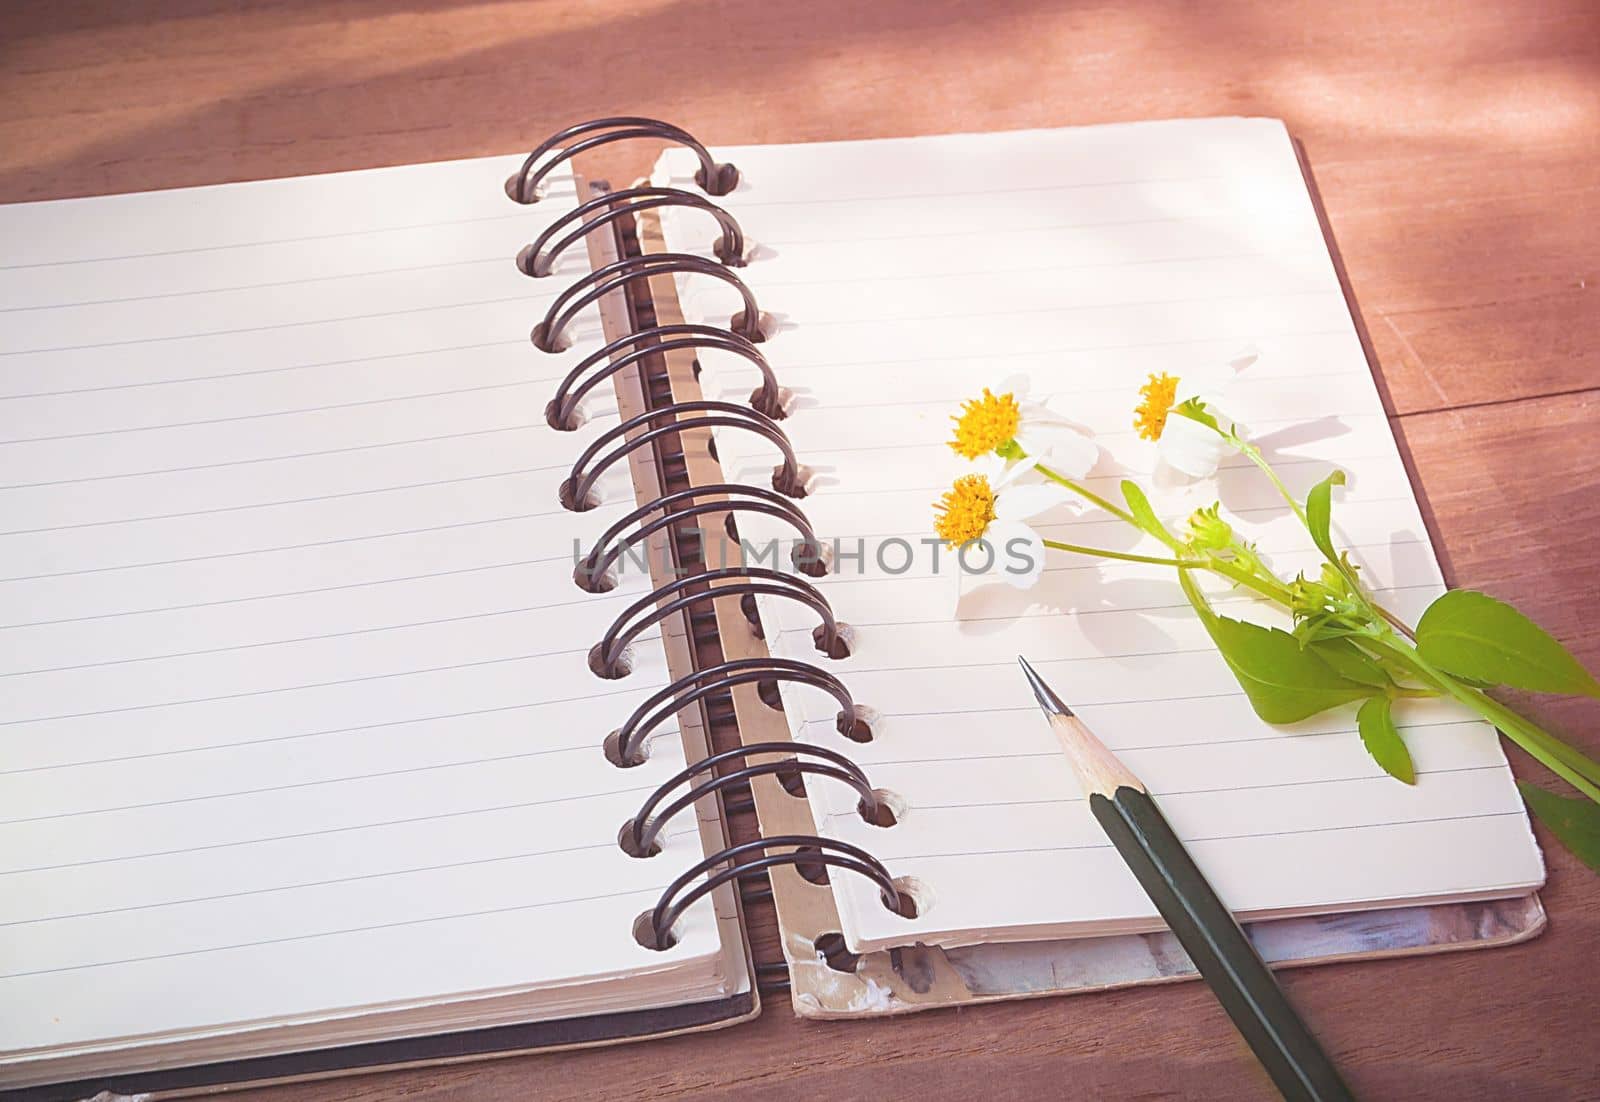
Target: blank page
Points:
(903, 276)
(297, 716)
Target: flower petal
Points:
(1191, 448)
(1012, 473)
(1019, 503)
(992, 467)
(1019, 552)
(1064, 450)
(1017, 386)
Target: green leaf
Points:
(1351, 661)
(1574, 821)
(1284, 681)
(1382, 739)
(1319, 513)
(1472, 635)
(1139, 506)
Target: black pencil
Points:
(1209, 933)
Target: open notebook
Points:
(304, 762)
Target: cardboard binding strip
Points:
(828, 982)
(650, 482)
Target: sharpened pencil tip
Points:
(1048, 700)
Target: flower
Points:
(1007, 424)
(1164, 415)
(990, 505)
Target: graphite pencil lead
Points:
(1048, 700)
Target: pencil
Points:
(1209, 933)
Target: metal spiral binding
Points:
(787, 479)
(692, 595)
(550, 334)
(526, 185)
(662, 705)
(641, 831)
(538, 258)
(658, 340)
(746, 582)
(810, 851)
(730, 497)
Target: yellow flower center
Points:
(1156, 399)
(966, 509)
(985, 423)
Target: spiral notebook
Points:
(390, 684)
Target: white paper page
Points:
(903, 276)
(296, 712)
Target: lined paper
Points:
(296, 714)
(903, 276)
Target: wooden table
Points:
(1457, 147)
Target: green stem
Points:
(1253, 453)
(1087, 494)
(1394, 621)
(1123, 555)
(1566, 762)
(1272, 589)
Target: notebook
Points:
(389, 643)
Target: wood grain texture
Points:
(1457, 149)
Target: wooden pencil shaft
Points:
(1219, 948)
(1097, 768)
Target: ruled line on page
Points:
(519, 215)
(1228, 463)
(219, 510)
(432, 920)
(1170, 792)
(285, 547)
(230, 288)
(350, 633)
(341, 587)
(266, 414)
(1034, 353)
(296, 736)
(598, 847)
(430, 308)
(1029, 232)
(388, 675)
(1132, 748)
(1042, 613)
(1130, 387)
(742, 202)
(1008, 663)
(925, 274)
(1088, 520)
(956, 315)
(295, 786)
(249, 372)
(319, 454)
(326, 831)
(835, 492)
(1215, 837)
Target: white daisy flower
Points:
(991, 505)
(1184, 444)
(1004, 421)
